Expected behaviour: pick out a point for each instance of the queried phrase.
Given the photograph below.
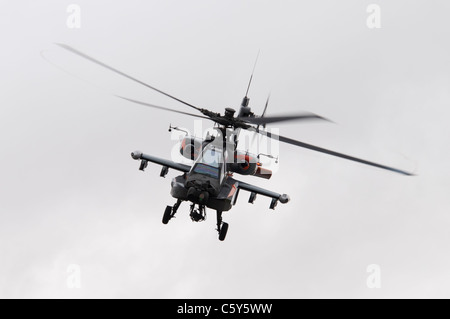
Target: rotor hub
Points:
(229, 112)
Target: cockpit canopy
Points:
(210, 163)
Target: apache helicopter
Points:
(209, 182)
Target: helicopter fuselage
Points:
(204, 191)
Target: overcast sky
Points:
(73, 202)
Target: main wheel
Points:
(167, 215)
(223, 231)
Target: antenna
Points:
(246, 99)
(253, 71)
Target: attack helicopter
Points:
(209, 182)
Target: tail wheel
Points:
(223, 231)
(167, 215)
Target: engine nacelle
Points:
(248, 164)
(244, 163)
(191, 147)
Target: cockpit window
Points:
(210, 163)
(207, 170)
(211, 157)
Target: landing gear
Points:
(170, 212)
(223, 231)
(222, 227)
(167, 215)
(198, 214)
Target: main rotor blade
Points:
(83, 55)
(265, 107)
(333, 153)
(285, 118)
(162, 107)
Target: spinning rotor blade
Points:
(81, 54)
(162, 107)
(276, 119)
(333, 153)
(265, 106)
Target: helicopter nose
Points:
(197, 196)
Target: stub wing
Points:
(137, 155)
(254, 190)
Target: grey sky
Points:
(71, 194)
